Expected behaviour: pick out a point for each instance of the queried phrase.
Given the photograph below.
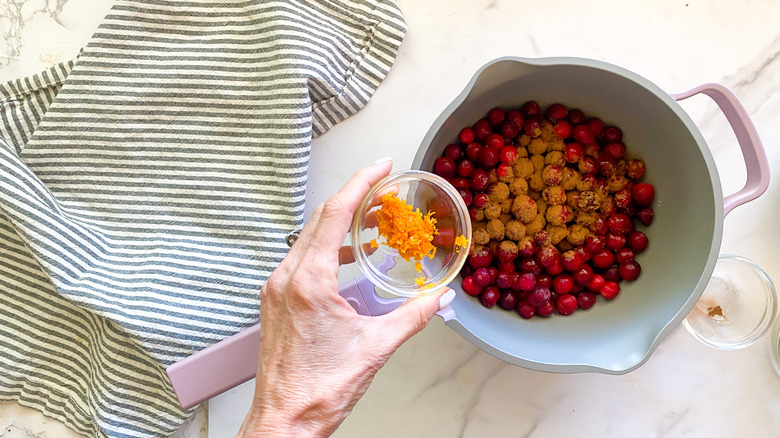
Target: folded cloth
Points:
(146, 191)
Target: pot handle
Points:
(752, 150)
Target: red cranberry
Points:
(630, 270)
(471, 287)
(556, 268)
(526, 281)
(576, 117)
(562, 129)
(645, 216)
(538, 296)
(582, 134)
(620, 224)
(467, 135)
(493, 273)
(583, 274)
(525, 310)
(584, 254)
(495, 141)
(507, 154)
(530, 265)
(610, 290)
(507, 300)
(465, 168)
(615, 150)
(571, 260)
(595, 244)
(603, 258)
(444, 167)
(635, 169)
(504, 171)
(503, 280)
(509, 129)
(624, 254)
(489, 296)
(637, 241)
(515, 117)
(496, 116)
(612, 273)
(480, 200)
(530, 108)
(596, 283)
(545, 309)
(544, 279)
(573, 152)
(505, 266)
(453, 151)
(482, 129)
(643, 194)
(556, 112)
(533, 126)
(586, 300)
(612, 134)
(587, 166)
(479, 180)
(563, 284)
(548, 255)
(481, 277)
(473, 212)
(488, 156)
(566, 304)
(466, 271)
(460, 183)
(595, 125)
(600, 226)
(480, 258)
(466, 195)
(472, 151)
(526, 247)
(615, 241)
(622, 198)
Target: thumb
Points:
(415, 314)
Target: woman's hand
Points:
(317, 355)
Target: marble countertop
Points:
(438, 384)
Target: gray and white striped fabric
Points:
(146, 191)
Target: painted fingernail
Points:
(383, 160)
(446, 299)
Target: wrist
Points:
(272, 423)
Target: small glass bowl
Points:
(737, 307)
(774, 347)
(383, 266)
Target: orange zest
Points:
(405, 229)
(461, 242)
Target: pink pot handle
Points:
(747, 137)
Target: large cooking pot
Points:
(613, 337)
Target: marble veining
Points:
(13, 16)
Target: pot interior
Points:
(613, 336)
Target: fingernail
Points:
(446, 299)
(383, 160)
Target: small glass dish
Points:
(383, 265)
(774, 347)
(737, 307)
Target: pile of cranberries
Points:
(584, 243)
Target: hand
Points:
(317, 355)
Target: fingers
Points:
(337, 212)
(414, 315)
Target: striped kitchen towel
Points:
(146, 191)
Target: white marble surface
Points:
(438, 384)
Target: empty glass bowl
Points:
(383, 265)
(736, 308)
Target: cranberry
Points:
(466, 271)
(493, 273)
(504, 172)
(496, 116)
(545, 309)
(600, 226)
(507, 300)
(480, 200)
(556, 112)
(472, 151)
(603, 258)
(544, 279)
(635, 169)
(556, 268)
(596, 283)
(480, 258)
(612, 273)
(503, 280)
(533, 126)
(563, 283)
(620, 224)
(514, 276)
(538, 296)
(615, 241)
(587, 166)
(515, 117)
(566, 304)
(466, 195)
(586, 300)
(526, 247)
(582, 134)
(573, 152)
(525, 281)
(637, 241)
(489, 296)
(571, 260)
(530, 108)
(584, 254)
(479, 180)
(453, 151)
(576, 117)
(488, 156)
(526, 310)
(482, 129)
(465, 168)
(615, 150)
(622, 198)
(595, 125)
(471, 287)
(583, 274)
(612, 134)
(460, 183)
(610, 290)
(645, 215)
(467, 135)
(481, 277)
(624, 254)
(494, 140)
(630, 270)
(562, 129)
(509, 129)
(530, 265)
(595, 244)
(444, 167)
(507, 154)
(643, 194)
(473, 212)
(505, 266)
(548, 255)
